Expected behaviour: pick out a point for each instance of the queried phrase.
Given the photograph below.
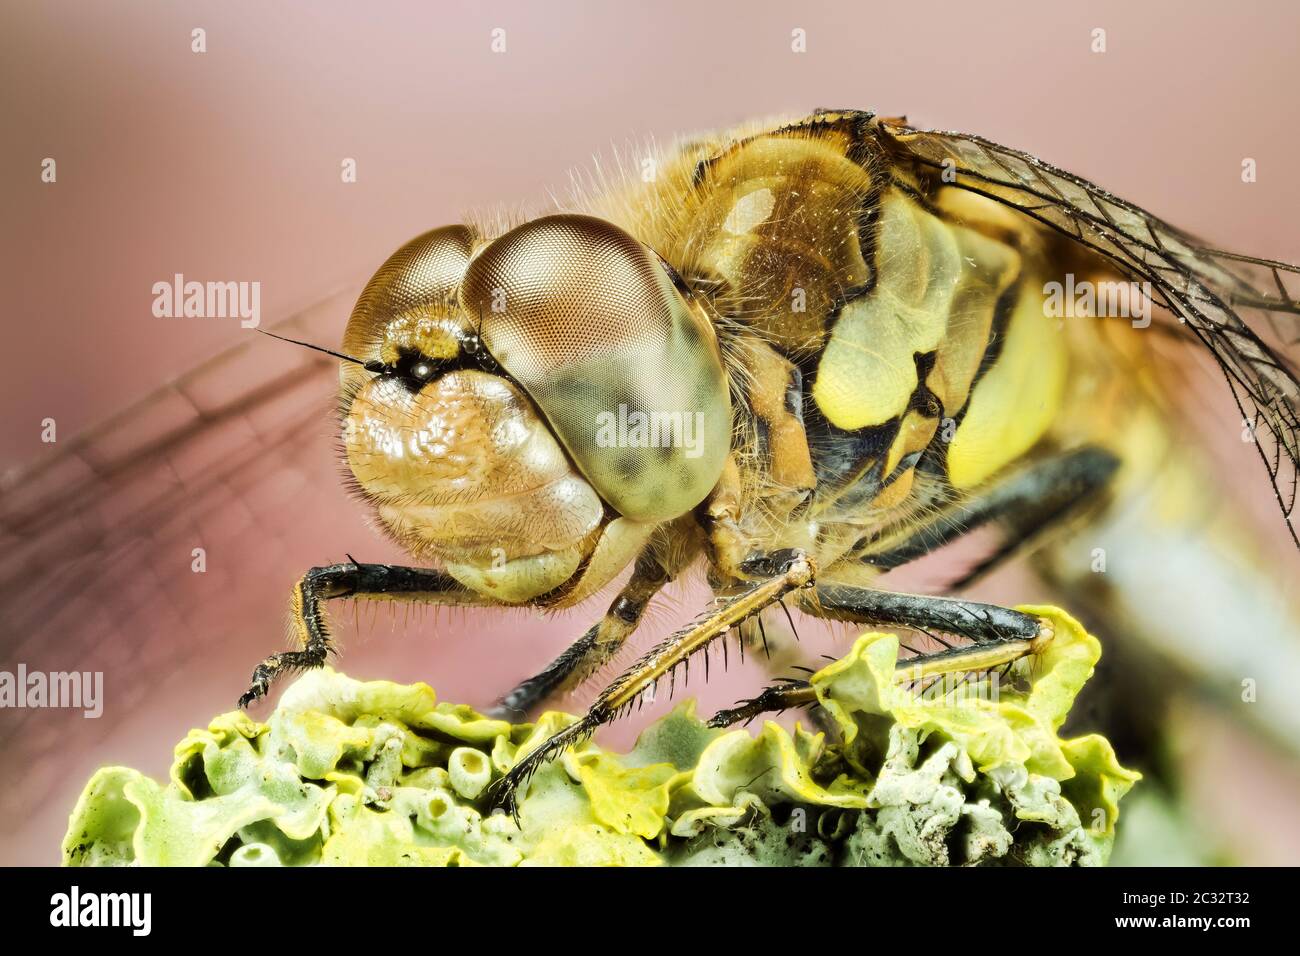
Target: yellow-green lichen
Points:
(351, 773)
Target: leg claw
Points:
(502, 797)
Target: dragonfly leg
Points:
(1027, 503)
(972, 620)
(773, 699)
(351, 580)
(999, 637)
(774, 575)
(594, 648)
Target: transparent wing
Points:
(97, 550)
(1209, 291)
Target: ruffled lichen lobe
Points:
(375, 773)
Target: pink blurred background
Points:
(226, 165)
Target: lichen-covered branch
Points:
(351, 773)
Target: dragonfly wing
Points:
(173, 529)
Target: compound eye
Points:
(410, 302)
(625, 369)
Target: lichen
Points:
(376, 773)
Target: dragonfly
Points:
(803, 354)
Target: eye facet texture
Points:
(627, 372)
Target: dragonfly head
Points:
(509, 400)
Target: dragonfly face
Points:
(545, 398)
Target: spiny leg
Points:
(995, 632)
(1028, 502)
(962, 660)
(780, 652)
(351, 580)
(585, 655)
(789, 695)
(776, 575)
(972, 620)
